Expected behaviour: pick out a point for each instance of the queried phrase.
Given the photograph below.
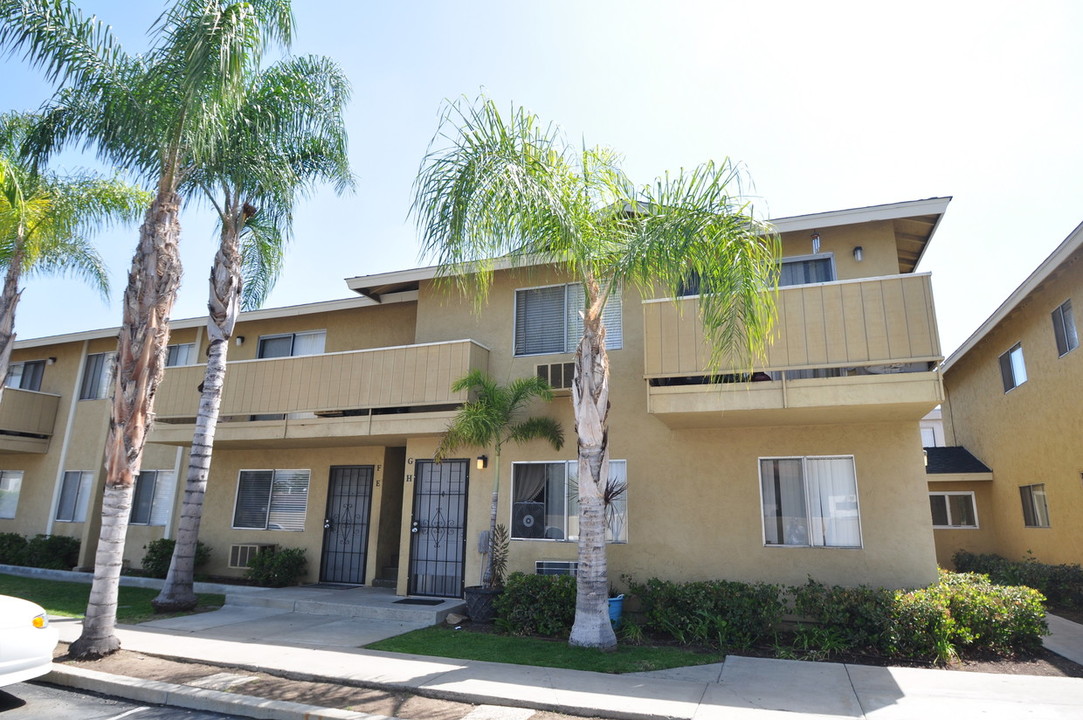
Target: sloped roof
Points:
(954, 460)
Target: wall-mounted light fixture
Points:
(858, 253)
(50, 360)
(239, 340)
(483, 462)
(815, 242)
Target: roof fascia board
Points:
(1071, 243)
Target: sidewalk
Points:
(324, 647)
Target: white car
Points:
(26, 641)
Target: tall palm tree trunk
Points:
(494, 502)
(225, 293)
(590, 399)
(9, 299)
(144, 334)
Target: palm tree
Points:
(494, 186)
(288, 134)
(158, 114)
(46, 220)
(492, 418)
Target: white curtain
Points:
(832, 495)
(309, 343)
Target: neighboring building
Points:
(332, 411)
(1013, 400)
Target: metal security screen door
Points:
(346, 525)
(438, 529)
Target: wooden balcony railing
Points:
(409, 375)
(28, 412)
(870, 322)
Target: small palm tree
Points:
(160, 114)
(46, 221)
(492, 419)
(288, 134)
(510, 186)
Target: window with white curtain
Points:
(1013, 369)
(292, 344)
(549, 319)
(271, 500)
(810, 501)
(11, 483)
(74, 496)
(180, 354)
(153, 497)
(545, 501)
(1035, 506)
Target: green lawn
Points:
(69, 599)
(443, 641)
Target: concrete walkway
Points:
(324, 647)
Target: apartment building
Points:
(1013, 392)
(811, 465)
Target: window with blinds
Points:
(74, 496)
(153, 497)
(271, 500)
(97, 373)
(549, 319)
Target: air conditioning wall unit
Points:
(559, 375)
(240, 556)
(556, 567)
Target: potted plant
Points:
(492, 418)
(480, 599)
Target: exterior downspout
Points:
(62, 462)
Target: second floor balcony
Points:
(27, 419)
(394, 391)
(855, 350)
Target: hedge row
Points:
(1061, 584)
(55, 552)
(962, 612)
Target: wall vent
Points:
(556, 567)
(559, 375)
(240, 556)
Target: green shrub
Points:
(55, 552)
(857, 618)
(536, 604)
(715, 612)
(1061, 584)
(12, 549)
(279, 568)
(155, 562)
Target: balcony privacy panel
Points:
(26, 411)
(880, 320)
(383, 377)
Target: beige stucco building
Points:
(809, 466)
(1013, 401)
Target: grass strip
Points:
(444, 641)
(69, 599)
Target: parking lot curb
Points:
(193, 698)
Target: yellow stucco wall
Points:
(1031, 434)
(977, 540)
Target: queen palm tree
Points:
(492, 419)
(494, 185)
(46, 221)
(288, 134)
(159, 114)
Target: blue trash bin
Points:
(616, 607)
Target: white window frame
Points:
(271, 499)
(99, 387)
(1064, 329)
(1013, 367)
(173, 355)
(612, 318)
(808, 503)
(84, 483)
(829, 256)
(17, 373)
(947, 509)
(616, 526)
(1027, 493)
(11, 483)
(163, 485)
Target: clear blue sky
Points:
(830, 105)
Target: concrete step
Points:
(370, 603)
